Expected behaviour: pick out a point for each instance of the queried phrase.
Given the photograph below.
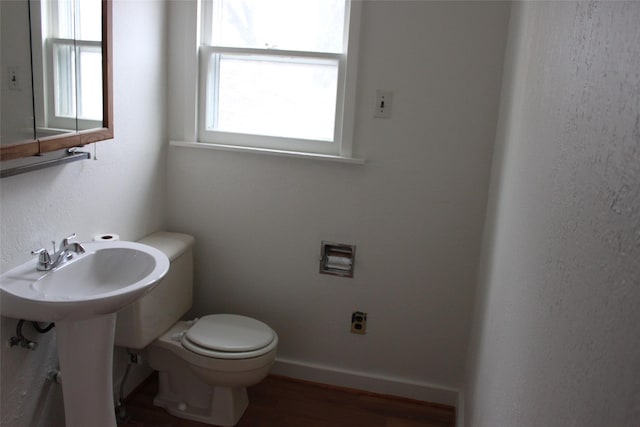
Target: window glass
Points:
(79, 19)
(64, 78)
(305, 25)
(63, 22)
(90, 83)
(263, 96)
(89, 20)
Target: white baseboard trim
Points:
(460, 409)
(393, 386)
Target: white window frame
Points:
(341, 144)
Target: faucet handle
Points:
(40, 252)
(70, 243)
(66, 240)
(44, 258)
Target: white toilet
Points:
(204, 365)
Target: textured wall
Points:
(557, 338)
(122, 192)
(415, 209)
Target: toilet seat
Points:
(229, 336)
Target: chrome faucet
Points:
(47, 261)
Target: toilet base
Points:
(200, 388)
(225, 407)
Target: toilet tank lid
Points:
(172, 244)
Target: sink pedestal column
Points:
(85, 352)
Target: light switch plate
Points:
(384, 103)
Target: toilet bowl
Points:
(206, 364)
(223, 354)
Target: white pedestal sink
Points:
(82, 297)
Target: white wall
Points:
(415, 210)
(557, 339)
(16, 105)
(123, 191)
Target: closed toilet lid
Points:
(226, 334)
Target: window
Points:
(274, 74)
(72, 37)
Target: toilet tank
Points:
(138, 324)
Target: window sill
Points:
(266, 151)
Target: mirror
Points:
(57, 75)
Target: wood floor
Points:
(284, 402)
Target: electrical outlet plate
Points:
(135, 359)
(358, 322)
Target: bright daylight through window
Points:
(72, 42)
(274, 73)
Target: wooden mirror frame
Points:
(78, 138)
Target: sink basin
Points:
(82, 297)
(107, 277)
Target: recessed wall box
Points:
(337, 259)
